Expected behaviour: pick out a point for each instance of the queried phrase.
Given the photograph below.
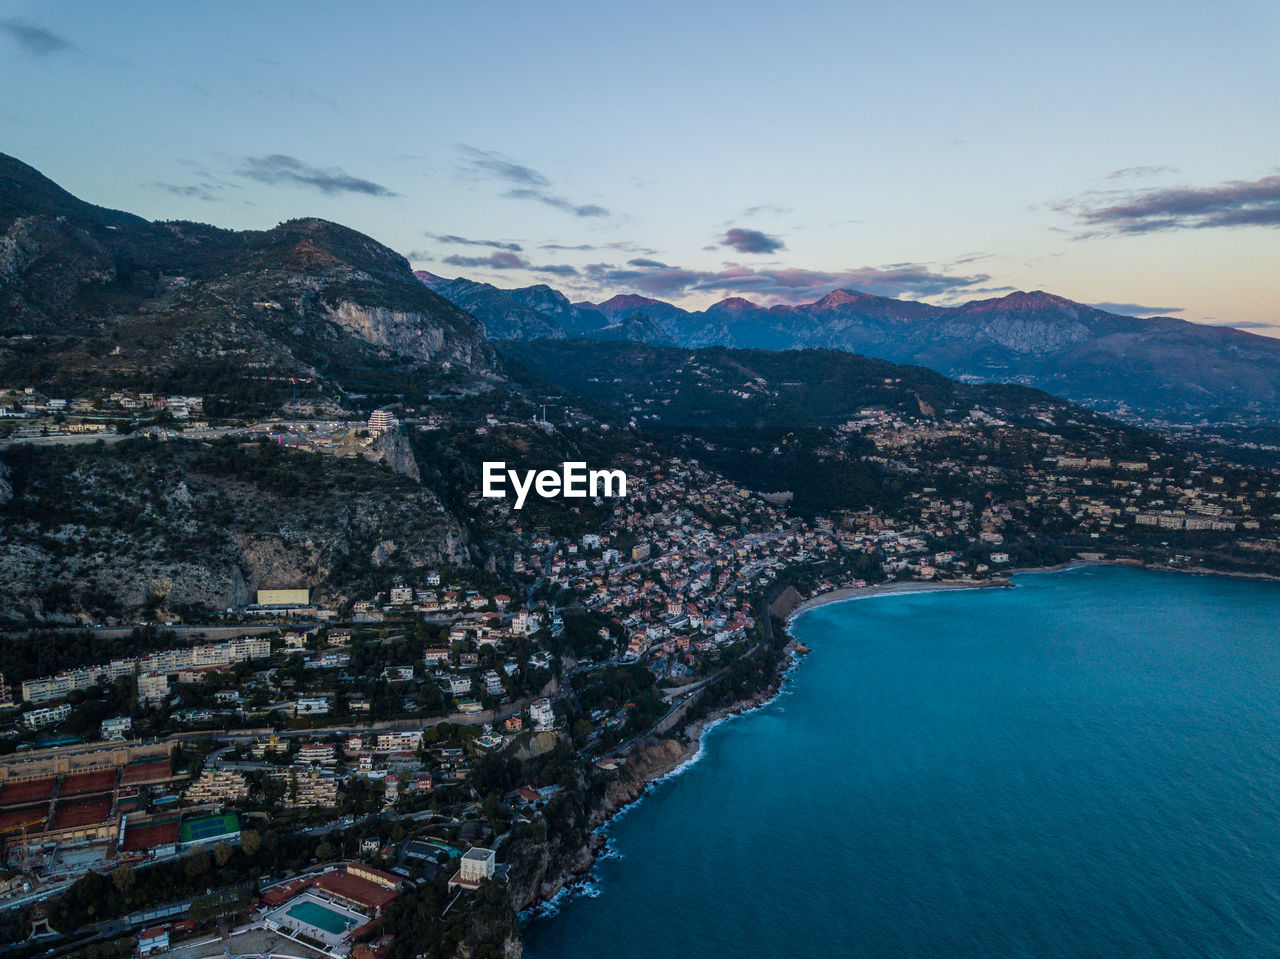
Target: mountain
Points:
(528, 313)
(1152, 368)
(91, 294)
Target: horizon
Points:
(921, 153)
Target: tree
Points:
(197, 865)
(122, 878)
(222, 854)
(250, 841)
(324, 851)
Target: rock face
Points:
(107, 294)
(145, 530)
(395, 451)
(641, 768)
(1156, 367)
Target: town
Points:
(291, 768)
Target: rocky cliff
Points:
(146, 530)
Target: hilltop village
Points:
(318, 768)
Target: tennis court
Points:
(208, 827)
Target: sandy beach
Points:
(848, 593)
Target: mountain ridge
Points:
(87, 292)
(1146, 368)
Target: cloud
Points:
(1136, 309)
(1134, 172)
(1230, 204)
(506, 260)
(36, 41)
(495, 165)
(565, 246)
(556, 202)
(767, 208)
(781, 285)
(502, 260)
(454, 239)
(529, 184)
(194, 191)
(646, 262)
(1252, 325)
(278, 169)
(751, 241)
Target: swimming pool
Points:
(313, 914)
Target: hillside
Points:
(795, 420)
(89, 295)
(1153, 368)
(142, 529)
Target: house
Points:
(152, 940)
(118, 727)
(541, 713)
(457, 685)
(475, 867)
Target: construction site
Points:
(60, 810)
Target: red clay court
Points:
(33, 790)
(140, 838)
(13, 821)
(353, 889)
(81, 784)
(83, 812)
(145, 772)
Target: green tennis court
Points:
(207, 827)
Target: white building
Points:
(118, 727)
(476, 866)
(541, 713)
(458, 685)
(46, 716)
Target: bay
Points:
(1085, 765)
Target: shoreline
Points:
(691, 739)
(614, 807)
(845, 594)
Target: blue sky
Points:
(1126, 154)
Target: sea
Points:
(1084, 765)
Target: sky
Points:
(1119, 154)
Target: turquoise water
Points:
(314, 914)
(1085, 766)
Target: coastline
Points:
(849, 593)
(667, 757)
(646, 768)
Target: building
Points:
(402, 741)
(153, 940)
(117, 727)
(316, 754)
(217, 786)
(380, 421)
(165, 661)
(312, 706)
(475, 867)
(46, 716)
(311, 788)
(457, 685)
(541, 713)
(284, 597)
